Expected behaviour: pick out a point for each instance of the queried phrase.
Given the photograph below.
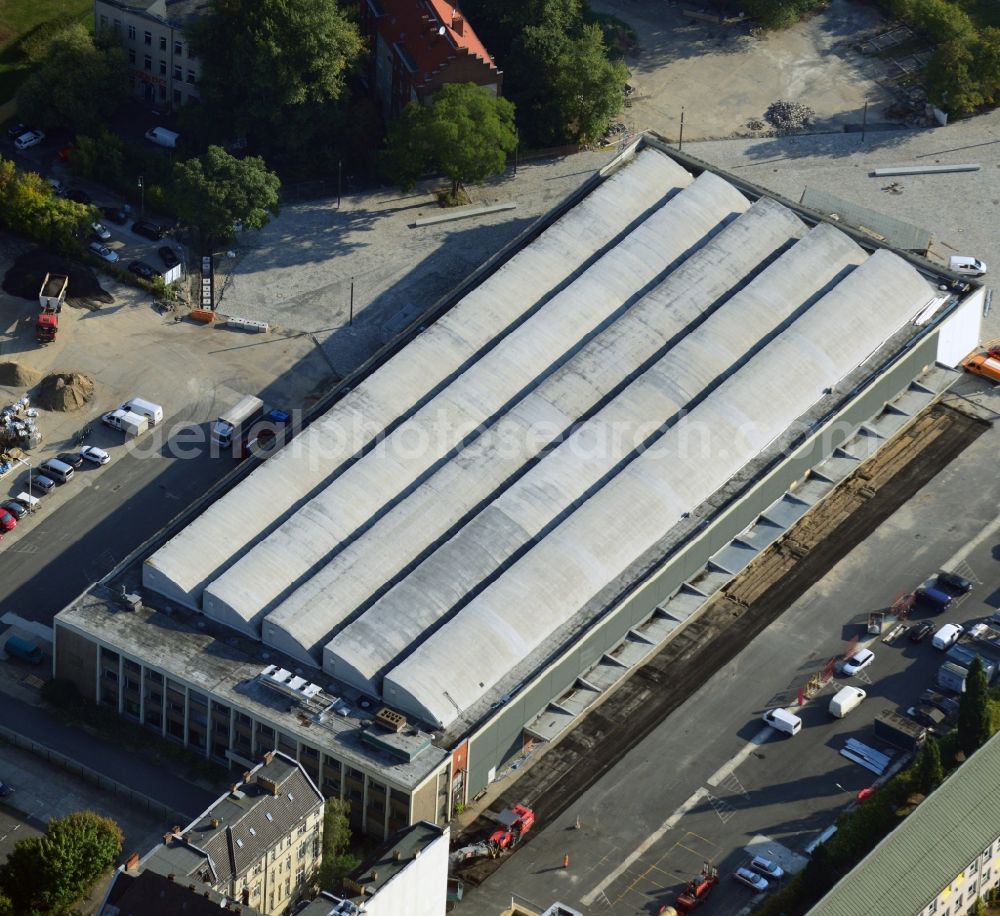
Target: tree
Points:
(337, 858)
(215, 191)
(101, 158)
(263, 57)
(29, 207)
(973, 712)
(979, 907)
(51, 872)
(929, 770)
(465, 132)
(78, 83)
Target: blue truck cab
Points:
(23, 649)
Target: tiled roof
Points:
(236, 831)
(150, 894)
(922, 856)
(414, 26)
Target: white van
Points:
(963, 264)
(783, 721)
(947, 636)
(149, 410)
(846, 699)
(162, 137)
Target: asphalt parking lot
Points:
(711, 784)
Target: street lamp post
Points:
(142, 198)
(27, 464)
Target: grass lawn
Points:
(17, 19)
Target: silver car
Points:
(104, 253)
(31, 138)
(751, 879)
(766, 867)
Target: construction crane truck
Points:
(697, 890)
(514, 824)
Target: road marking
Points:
(726, 770)
(967, 548)
(654, 837)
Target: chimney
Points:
(132, 862)
(215, 823)
(186, 838)
(396, 856)
(457, 21)
(191, 888)
(234, 788)
(268, 757)
(171, 877)
(246, 776)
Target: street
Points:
(711, 785)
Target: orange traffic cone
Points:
(566, 860)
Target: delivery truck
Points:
(899, 730)
(132, 424)
(846, 699)
(228, 426)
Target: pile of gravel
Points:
(25, 276)
(784, 115)
(65, 391)
(14, 375)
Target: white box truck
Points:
(846, 699)
(132, 424)
(230, 422)
(152, 412)
(162, 137)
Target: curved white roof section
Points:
(242, 595)
(184, 565)
(590, 457)
(573, 563)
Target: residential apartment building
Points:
(161, 65)
(940, 859)
(417, 46)
(145, 893)
(258, 845)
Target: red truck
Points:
(50, 299)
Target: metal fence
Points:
(78, 769)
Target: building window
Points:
(178, 75)
(131, 33)
(163, 42)
(163, 69)
(148, 39)
(148, 63)
(190, 78)
(104, 22)
(131, 55)
(118, 25)
(178, 48)
(163, 93)
(302, 849)
(190, 52)
(177, 96)
(300, 874)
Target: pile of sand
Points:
(65, 391)
(24, 278)
(14, 375)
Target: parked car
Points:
(57, 187)
(168, 257)
(5, 789)
(947, 636)
(766, 867)
(29, 139)
(73, 459)
(142, 269)
(954, 581)
(948, 705)
(857, 662)
(14, 508)
(42, 484)
(7, 520)
(16, 130)
(147, 229)
(116, 214)
(751, 879)
(100, 230)
(104, 253)
(94, 454)
(78, 195)
(921, 631)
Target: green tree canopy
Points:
(929, 772)
(973, 710)
(29, 207)
(337, 858)
(215, 191)
(263, 57)
(464, 132)
(47, 874)
(78, 82)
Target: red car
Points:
(7, 521)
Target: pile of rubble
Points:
(65, 391)
(788, 116)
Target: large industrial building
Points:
(496, 522)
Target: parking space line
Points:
(727, 768)
(589, 898)
(963, 551)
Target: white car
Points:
(101, 231)
(947, 636)
(963, 264)
(766, 867)
(105, 253)
(857, 662)
(31, 138)
(94, 454)
(751, 879)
